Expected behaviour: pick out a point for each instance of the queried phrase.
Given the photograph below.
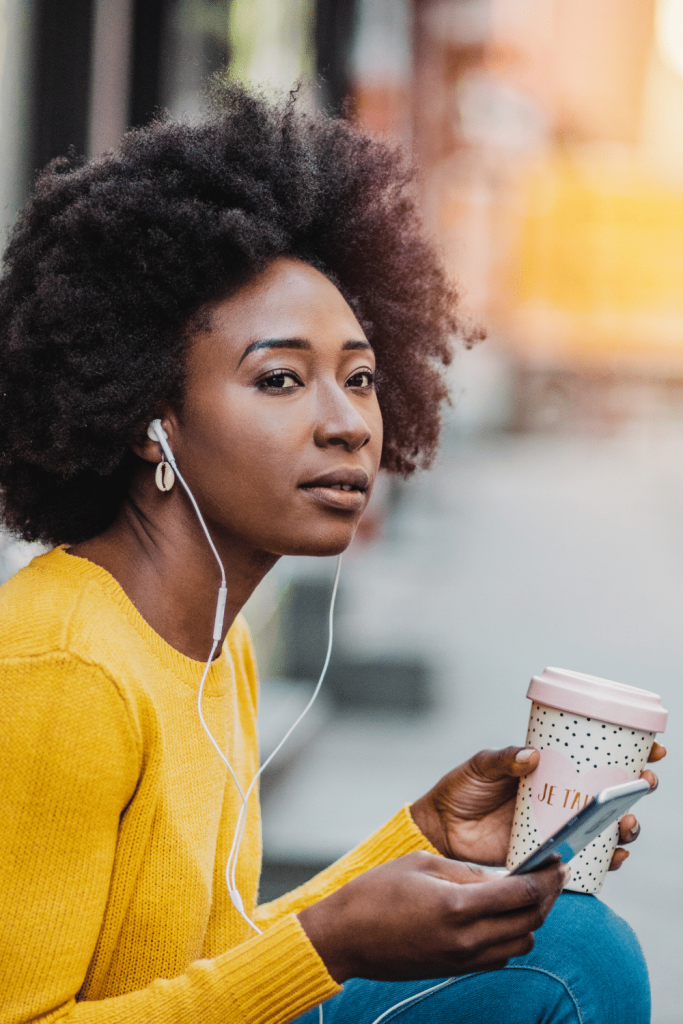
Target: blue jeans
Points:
(585, 968)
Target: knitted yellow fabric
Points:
(117, 817)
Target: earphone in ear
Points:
(156, 432)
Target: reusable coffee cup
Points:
(592, 733)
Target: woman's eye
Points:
(362, 379)
(281, 380)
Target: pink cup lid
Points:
(599, 698)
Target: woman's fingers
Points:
(629, 828)
(496, 957)
(489, 932)
(658, 752)
(618, 858)
(502, 896)
(503, 915)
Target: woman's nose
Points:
(340, 422)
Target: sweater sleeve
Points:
(399, 836)
(70, 761)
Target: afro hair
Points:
(113, 259)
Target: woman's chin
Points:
(321, 546)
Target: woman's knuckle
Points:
(460, 943)
(419, 860)
(532, 888)
(457, 904)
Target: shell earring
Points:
(164, 476)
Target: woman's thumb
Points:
(494, 765)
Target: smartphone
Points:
(583, 828)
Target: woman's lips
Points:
(344, 487)
(350, 501)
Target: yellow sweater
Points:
(117, 816)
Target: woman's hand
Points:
(421, 916)
(468, 814)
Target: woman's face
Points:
(280, 432)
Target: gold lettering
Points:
(567, 792)
(576, 802)
(550, 794)
(545, 787)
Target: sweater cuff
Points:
(279, 975)
(399, 836)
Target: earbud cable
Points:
(231, 866)
(241, 821)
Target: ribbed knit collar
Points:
(186, 669)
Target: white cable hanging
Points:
(231, 866)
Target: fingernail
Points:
(635, 832)
(525, 754)
(655, 785)
(566, 872)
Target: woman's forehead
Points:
(287, 300)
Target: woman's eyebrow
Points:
(299, 343)
(275, 343)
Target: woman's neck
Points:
(163, 562)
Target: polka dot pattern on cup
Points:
(588, 745)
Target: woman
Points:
(259, 284)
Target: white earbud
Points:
(156, 432)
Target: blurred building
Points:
(551, 141)
(77, 74)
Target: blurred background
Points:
(549, 134)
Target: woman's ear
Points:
(144, 446)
